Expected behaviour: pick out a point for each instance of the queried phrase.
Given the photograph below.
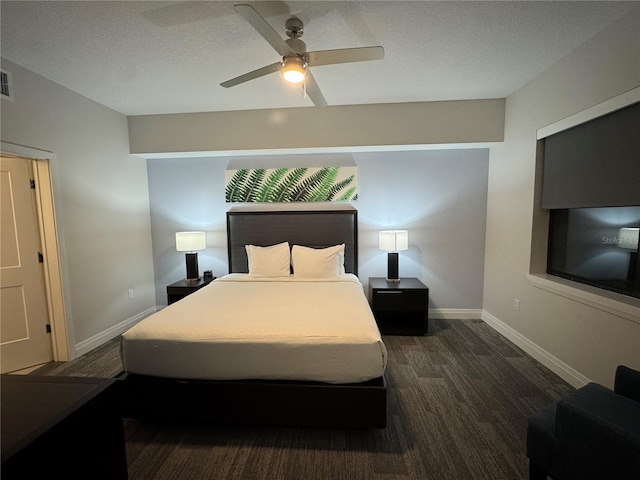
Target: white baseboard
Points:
(564, 371)
(455, 313)
(93, 342)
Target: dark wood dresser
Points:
(61, 427)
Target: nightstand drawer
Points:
(399, 300)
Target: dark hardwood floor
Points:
(458, 404)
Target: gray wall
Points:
(101, 201)
(438, 195)
(580, 336)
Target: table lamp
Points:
(190, 242)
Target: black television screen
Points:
(596, 246)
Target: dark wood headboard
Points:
(310, 228)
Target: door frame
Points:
(41, 161)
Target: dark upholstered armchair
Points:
(591, 433)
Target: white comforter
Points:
(241, 327)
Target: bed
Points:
(304, 351)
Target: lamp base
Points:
(192, 267)
(392, 267)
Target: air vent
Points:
(6, 86)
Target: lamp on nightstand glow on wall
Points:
(393, 241)
(191, 242)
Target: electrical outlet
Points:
(130, 293)
(516, 304)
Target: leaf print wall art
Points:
(271, 185)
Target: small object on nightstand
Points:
(400, 308)
(179, 290)
(208, 274)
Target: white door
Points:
(24, 341)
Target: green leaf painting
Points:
(260, 185)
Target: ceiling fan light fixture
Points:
(294, 69)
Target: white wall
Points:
(101, 200)
(578, 340)
(439, 196)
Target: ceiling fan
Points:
(296, 61)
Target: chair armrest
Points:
(540, 430)
(597, 435)
(627, 383)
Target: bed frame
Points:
(278, 403)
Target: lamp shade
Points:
(393, 240)
(628, 238)
(190, 241)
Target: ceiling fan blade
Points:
(264, 29)
(313, 90)
(261, 72)
(344, 55)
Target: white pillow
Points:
(272, 261)
(317, 262)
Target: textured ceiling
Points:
(169, 57)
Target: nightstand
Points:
(179, 290)
(400, 308)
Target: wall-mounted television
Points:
(591, 187)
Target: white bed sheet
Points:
(241, 327)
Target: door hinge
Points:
(48, 327)
(32, 184)
(40, 257)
